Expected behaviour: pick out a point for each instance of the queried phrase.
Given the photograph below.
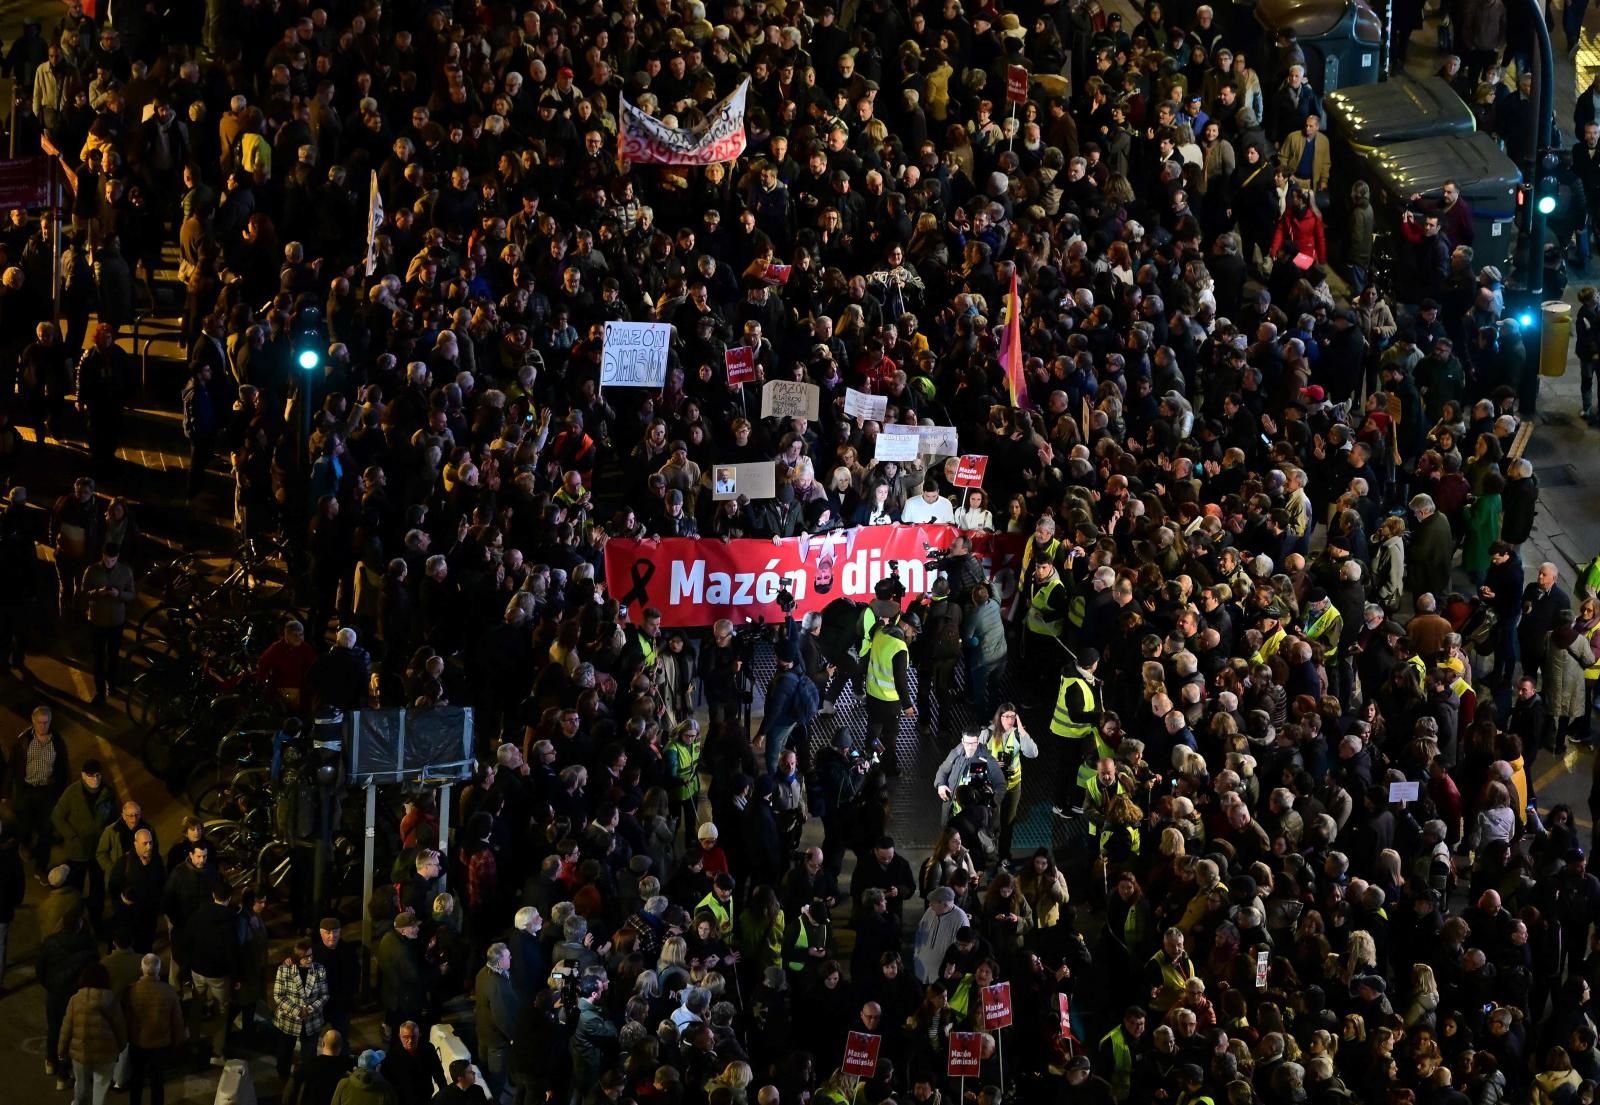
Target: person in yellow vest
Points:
(1045, 622)
(1325, 626)
(1272, 635)
(1193, 1081)
(1076, 719)
(1008, 742)
(806, 942)
(1407, 652)
(1167, 973)
(1119, 1050)
(888, 686)
(644, 645)
(683, 771)
(719, 903)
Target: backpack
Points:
(808, 699)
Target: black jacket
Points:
(211, 940)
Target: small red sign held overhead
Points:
(966, 1055)
(970, 469)
(996, 1005)
(1016, 84)
(861, 1054)
(741, 364)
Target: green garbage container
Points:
(1397, 110)
(1487, 177)
(1340, 38)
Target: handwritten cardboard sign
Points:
(900, 447)
(790, 399)
(859, 404)
(635, 354)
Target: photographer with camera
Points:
(970, 776)
(792, 700)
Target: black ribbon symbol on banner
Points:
(642, 572)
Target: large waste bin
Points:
(1488, 180)
(1340, 38)
(1397, 110)
(1555, 337)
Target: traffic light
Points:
(1548, 190)
(310, 338)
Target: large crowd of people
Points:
(1282, 739)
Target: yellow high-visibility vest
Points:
(1041, 619)
(1061, 722)
(880, 667)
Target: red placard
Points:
(1016, 84)
(966, 1055)
(996, 1005)
(861, 1054)
(25, 183)
(1064, 1010)
(970, 469)
(777, 274)
(741, 364)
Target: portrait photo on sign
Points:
(727, 480)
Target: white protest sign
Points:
(939, 440)
(900, 447)
(757, 480)
(635, 355)
(1404, 792)
(859, 404)
(790, 399)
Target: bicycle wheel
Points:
(226, 796)
(274, 865)
(164, 633)
(234, 847)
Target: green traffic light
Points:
(309, 359)
(1547, 205)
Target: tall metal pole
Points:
(368, 872)
(1386, 40)
(1543, 128)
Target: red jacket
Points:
(1304, 233)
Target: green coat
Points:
(79, 818)
(1482, 523)
(365, 1087)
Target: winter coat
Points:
(985, 633)
(80, 816)
(154, 1014)
(1301, 232)
(1561, 678)
(299, 999)
(402, 974)
(365, 1087)
(94, 1032)
(1521, 501)
(1483, 529)
(1389, 573)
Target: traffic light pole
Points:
(1544, 127)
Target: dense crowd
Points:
(1296, 854)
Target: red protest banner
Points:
(966, 1055)
(996, 1005)
(741, 364)
(1016, 84)
(694, 581)
(970, 470)
(777, 274)
(861, 1054)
